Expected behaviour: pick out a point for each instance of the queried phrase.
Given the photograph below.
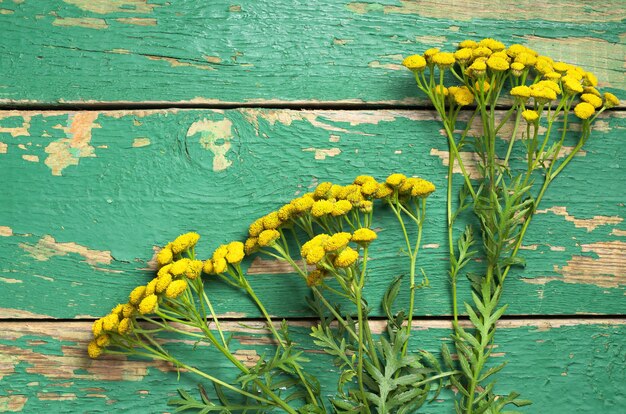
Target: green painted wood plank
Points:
(562, 366)
(88, 196)
(274, 51)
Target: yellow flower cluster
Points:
(491, 59)
(169, 283)
(330, 200)
(226, 254)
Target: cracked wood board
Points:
(348, 52)
(564, 366)
(93, 195)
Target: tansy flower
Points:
(530, 116)
(481, 51)
(184, 242)
(235, 252)
(592, 90)
(164, 270)
(543, 66)
(128, 310)
(341, 207)
(463, 96)
(103, 340)
(315, 277)
(268, 237)
(337, 241)
(443, 59)
(364, 236)
(148, 304)
(571, 85)
(335, 190)
(315, 254)
(589, 79)
(194, 269)
(560, 67)
(522, 91)
(208, 267)
(346, 257)
(94, 350)
(220, 252)
(286, 212)
(542, 93)
(118, 309)
(552, 76)
(96, 328)
(492, 44)
(477, 68)
(526, 59)
(256, 227)
(591, 99)
(384, 190)
(302, 204)
(321, 208)
(396, 180)
(110, 322)
(422, 188)
(428, 55)
(584, 110)
(468, 44)
(176, 288)
(362, 179)
(250, 245)
(151, 287)
(441, 90)
(414, 62)
(322, 190)
(317, 241)
(576, 73)
(497, 64)
(220, 264)
(271, 221)
(407, 185)
(463, 55)
(482, 86)
(369, 188)
(124, 326)
(610, 100)
(163, 282)
(179, 267)
(516, 49)
(366, 206)
(517, 69)
(355, 197)
(165, 255)
(136, 295)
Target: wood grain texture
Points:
(272, 52)
(563, 366)
(93, 195)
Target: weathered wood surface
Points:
(562, 365)
(89, 196)
(271, 52)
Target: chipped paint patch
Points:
(608, 270)
(55, 396)
(589, 224)
(6, 231)
(215, 136)
(141, 142)
(390, 66)
(321, 154)
(48, 247)
(271, 267)
(3, 148)
(6, 280)
(470, 161)
(213, 59)
(287, 117)
(431, 246)
(9, 313)
(178, 63)
(30, 158)
(21, 131)
(113, 6)
(86, 22)
(6, 11)
(618, 232)
(137, 21)
(248, 357)
(12, 403)
(68, 151)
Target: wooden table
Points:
(125, 123)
